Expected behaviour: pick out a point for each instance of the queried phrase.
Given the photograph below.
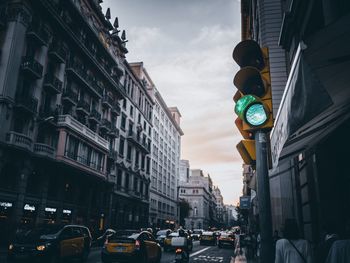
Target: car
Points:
(50, 243)
(167, 241)
(131, 246)
(226, 238)
(208, 238)
(161, 235)
(197, 234)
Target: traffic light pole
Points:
(263, 193)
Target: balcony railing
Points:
(39, 34)
(32, 67)
(77, 70)
(107, 101)
(114, 132)
(70, 122)
(105, 124)
(83, 107)
(95, 116)
(19, 140)
(58, 52)
(70, 96)
(28, 104)
(116, 109)
(53, 83)
(44, 150)
(137, 140)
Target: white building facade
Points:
(185, 171)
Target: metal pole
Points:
(263, 194)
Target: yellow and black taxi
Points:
(226, 238)
(208, 237)
(131, 246)
(167, 241)
(50, 243)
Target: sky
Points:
(186, 47)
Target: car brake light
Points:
(137, 244)
(178, 250)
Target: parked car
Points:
(161, 235)
(131, 246)
(227, 239)
(167, 241)
(208, 238)
(197, 234)
(50, 243)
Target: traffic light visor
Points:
(248, 53)
(248, 81)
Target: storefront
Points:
(50, 215)
(6, 209)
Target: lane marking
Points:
(199, 251)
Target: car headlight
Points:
(43, 247)
(10, 246)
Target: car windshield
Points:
(40, 232)
(126, 233)
(161, 232)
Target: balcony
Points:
(114, 132)
(113, 155)
(107, 101)
(38, 34)
(52, 83)
(44, 150)
(32, 68)
(58, 53)
(19, 140)
(116, 109)
(95, 116)
(69, 122)
(79, 73)
(138, 142)
(27, 104)
(106, 125)
(70, 96)
(83, 107)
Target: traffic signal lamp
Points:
(253, 99)
(246, 149)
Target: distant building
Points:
(166, 147)
(198, 192)
(231, 214)
(219, 206)
(184, 171)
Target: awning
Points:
(317, 95)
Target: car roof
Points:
(208, 233)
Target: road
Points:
(199, 254)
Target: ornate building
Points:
(69, 151)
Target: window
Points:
(121, 146)
(128, 157)
(126, 182)
(131, 111)
(124, 103)
(123, 122)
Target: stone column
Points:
(42, 206)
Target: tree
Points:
(184, 211)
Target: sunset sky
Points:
(186, 47)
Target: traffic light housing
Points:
(246, 149)
(253, 98)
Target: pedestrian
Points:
(292, 248)
(330, 237)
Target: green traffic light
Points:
(255, 114)
(243, 103)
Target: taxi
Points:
(226, 238)
(207, 238)
(50, 243)
(131, 246)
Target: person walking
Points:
(292, 248)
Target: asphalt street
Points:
(199, 254)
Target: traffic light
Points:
(246, 149)
(253, 99)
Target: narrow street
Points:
(199, 254)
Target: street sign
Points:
(244, 202)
